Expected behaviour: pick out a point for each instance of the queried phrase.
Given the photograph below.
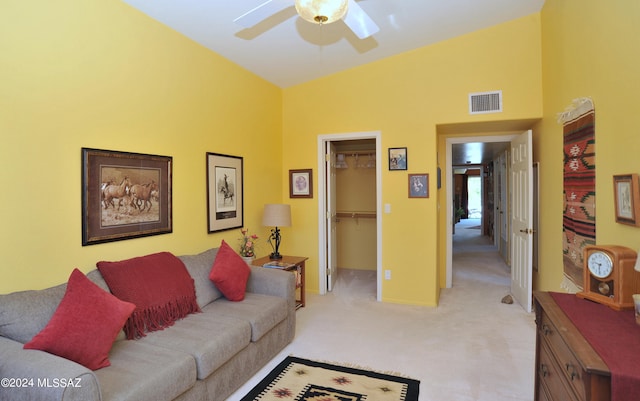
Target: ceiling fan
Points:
(312, 10)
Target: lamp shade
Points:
(321, 11)
(276, 215)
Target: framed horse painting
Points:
(125, 195)
(225, 201)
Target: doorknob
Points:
(527, 231)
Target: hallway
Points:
(476, 261)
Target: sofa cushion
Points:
(95, 276)
(51, 371)
(263, 312)
(158, 284)
(24, 314)
(230, 273)
(210, 338)
(199, 267)
(142, 372)
(85, 324)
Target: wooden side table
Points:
(297, 263)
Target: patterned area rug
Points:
(298, 379)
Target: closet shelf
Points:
(356, 215)
(356, 152)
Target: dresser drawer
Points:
(568, 364)
(553, 383)
(564, 356)
(543, 393)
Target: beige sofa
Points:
(204, 356)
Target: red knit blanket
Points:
(159, 285)
(614, 335)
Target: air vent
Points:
(485, 102)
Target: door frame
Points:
(322, 205)
(449, 195)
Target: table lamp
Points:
(276, 215)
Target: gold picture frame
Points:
(627, 199)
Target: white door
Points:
(521, 219)
(332, 242)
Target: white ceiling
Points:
(286, 50)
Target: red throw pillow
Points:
(230, 273)
(85, 324)
(158, 284)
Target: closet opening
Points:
(349, 220)
(356, 234)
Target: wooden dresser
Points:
(567, 367)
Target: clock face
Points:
(600, 264)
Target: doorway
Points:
(474, 189)
(468, 192)
(450, 166)
(520, 215)
(328, 213)
(355, 183)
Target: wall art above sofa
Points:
(125, 195)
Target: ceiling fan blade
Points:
(359, 22)
(263, 11)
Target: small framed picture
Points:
(397, 158)
(301, 183)
(627, 199)
(418, 185)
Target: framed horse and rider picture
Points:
(225, 201)
(125, 195)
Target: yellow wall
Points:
(589, 49)
(103, 75)
(405, 97)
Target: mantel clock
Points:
(609, 276)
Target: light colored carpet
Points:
(470, 347)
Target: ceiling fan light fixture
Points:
(321, 11)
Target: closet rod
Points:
(356, 215)
(356, 152)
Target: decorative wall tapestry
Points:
(579, 209)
